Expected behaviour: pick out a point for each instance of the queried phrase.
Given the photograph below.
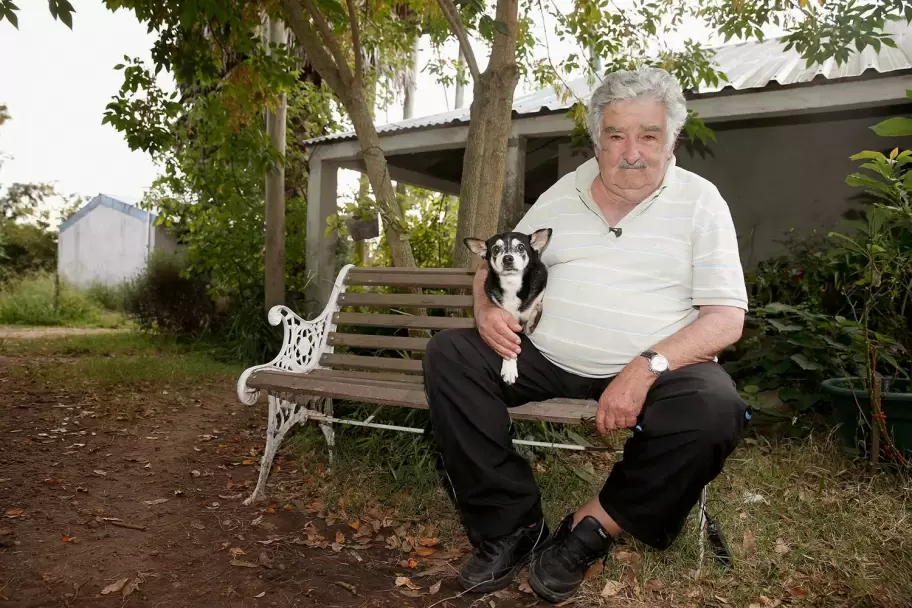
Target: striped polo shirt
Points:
(610, 297)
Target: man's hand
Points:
(622, 400)
(499, 330)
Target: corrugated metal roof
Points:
(747, 65)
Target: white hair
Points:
(654, 83)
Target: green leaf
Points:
(502, 27)
(894, 127)
(805, 363)
(867, 154)
(782, 326)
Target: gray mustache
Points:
(638, 165)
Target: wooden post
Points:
(320, 248)
(275, 193)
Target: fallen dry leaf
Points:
(433, 589)
(115, 586)
(14, 513)
(612, 588)
(428, 542)
(524, 587)
(340, 538)
(654, 585)
(424, 551)
(260, 594)
(157, 501)
(781, 547)
(288, 507)
(594, 569)
(133, 586)
(235, 551)
(100, 472)
(749, 543)
(68, 539)
(270, 509)
(248, 461)
(242, 563)
(348, 586)
(797, 592)
(354, 525)
(404, 581)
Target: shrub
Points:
(109, 297)
(164, 299)
(30, 301)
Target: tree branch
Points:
(356, 41)
(331, 42)
(452, 17)
(310, 42)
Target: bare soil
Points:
(18, 332)
(91, 495)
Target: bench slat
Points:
(401, 279)
(350, 374)
(405, 321)
(383, 364)
(409, 270)
(390, 300)
(561, 411)
(377, 341)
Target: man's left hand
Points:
(622, 400)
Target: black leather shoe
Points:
(558, 570)
(496, 561)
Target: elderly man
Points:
(645, 288)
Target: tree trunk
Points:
(484, 163)
(375, 163)
(275, 194)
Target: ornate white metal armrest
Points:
(303, 341)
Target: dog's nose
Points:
(508, 259)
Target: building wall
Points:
(105, 246)
(781, 177)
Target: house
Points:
(108, 241)
(785, 133)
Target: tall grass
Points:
(30, 301)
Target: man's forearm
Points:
(717, 328)
(480, 300)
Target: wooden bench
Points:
(307, 374)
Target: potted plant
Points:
(874, 401)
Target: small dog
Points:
(516, 279)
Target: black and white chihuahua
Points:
(516, 279)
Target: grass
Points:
(826, 531)
(126, 360)
(30, 301)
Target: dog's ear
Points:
(476, 246)
(540, 239)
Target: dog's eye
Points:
(496, 249)
(520, 248)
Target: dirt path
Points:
(150, 503)
(11, 331)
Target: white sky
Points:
(57, 82)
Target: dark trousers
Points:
(692, 420)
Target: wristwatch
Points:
(658, 364)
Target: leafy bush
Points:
(163, 299)
(30, 301)
(25, 249)
(109, 297)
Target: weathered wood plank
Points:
(408, 300)
(377, 341)
(384, 364)
(405, 321)
(350, 374)
(408, 270)
(401, 279)
(560, 411)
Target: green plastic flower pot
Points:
(896, 404)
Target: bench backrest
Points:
(407, 306)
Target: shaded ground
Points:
(74, 474)
(123, 466)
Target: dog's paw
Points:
(509, 371)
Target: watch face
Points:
(659, 363)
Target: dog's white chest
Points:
(511, 286)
